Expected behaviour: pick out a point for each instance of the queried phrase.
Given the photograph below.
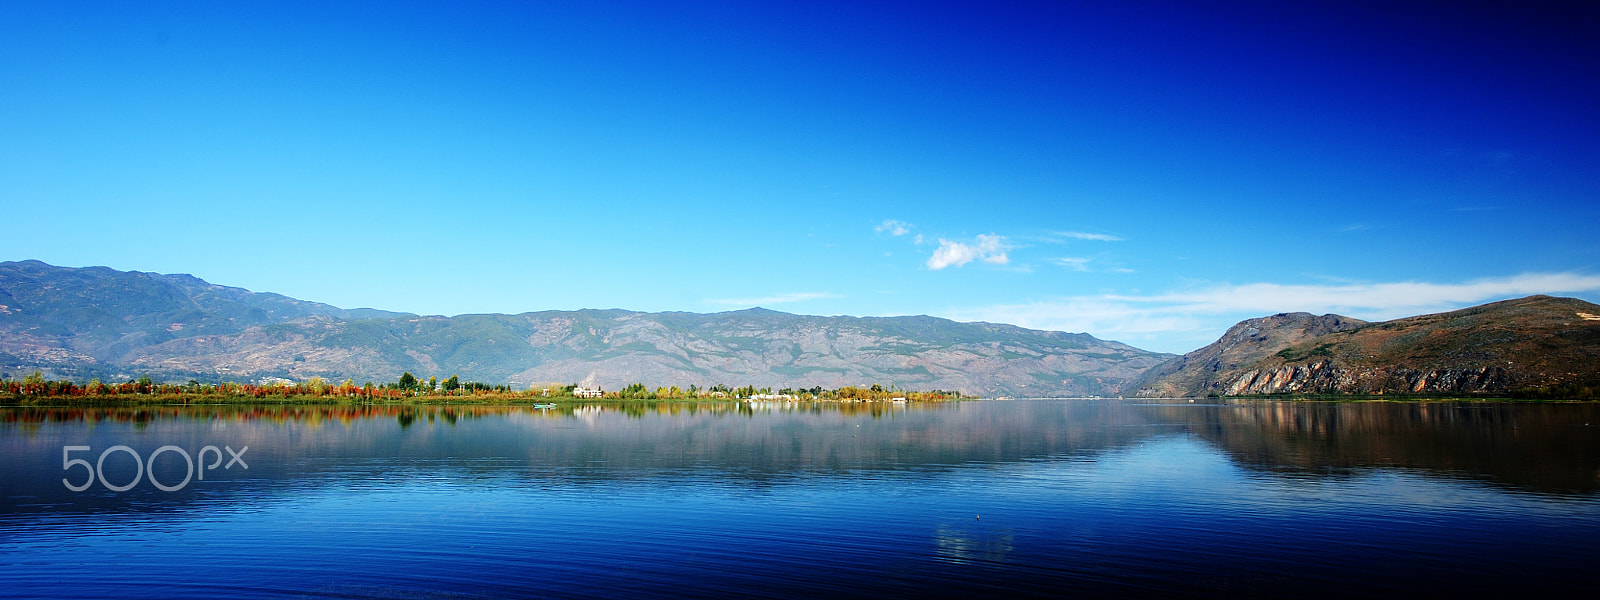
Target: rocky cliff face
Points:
(1527, 343)
(1210, 368)
(1323, 377)
(98, 322)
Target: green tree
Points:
(407, 381)
(452, 384)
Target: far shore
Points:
(471, 400)
(517, 400)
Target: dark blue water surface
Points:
(1002, 498)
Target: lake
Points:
(994, 498)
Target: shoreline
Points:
(563, 401)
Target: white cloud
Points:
(1184, 320)
(894, 227)
(988, 248)
(1094, 237)
(951, 253)
(774, 299)
(991, 248)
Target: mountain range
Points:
(100, 322)
(90, 322)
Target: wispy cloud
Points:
(988, 248)
(774, 299)
(1074, 263)
(1182, 320)
(894, 227)
(1375, 300)
(1093, 237)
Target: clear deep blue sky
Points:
(1145, 172)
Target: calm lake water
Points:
(994, 498)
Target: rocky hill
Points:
(1532, 343)
(99, 322)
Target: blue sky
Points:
(1145, 172)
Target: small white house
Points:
(584, 392)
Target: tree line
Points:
(35, 386)
(638, 391)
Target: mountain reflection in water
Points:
(1251, 498)
(1547, 447)
(1541, 447)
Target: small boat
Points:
(550, 405)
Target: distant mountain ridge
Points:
(1532, 343)
(96, 321)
